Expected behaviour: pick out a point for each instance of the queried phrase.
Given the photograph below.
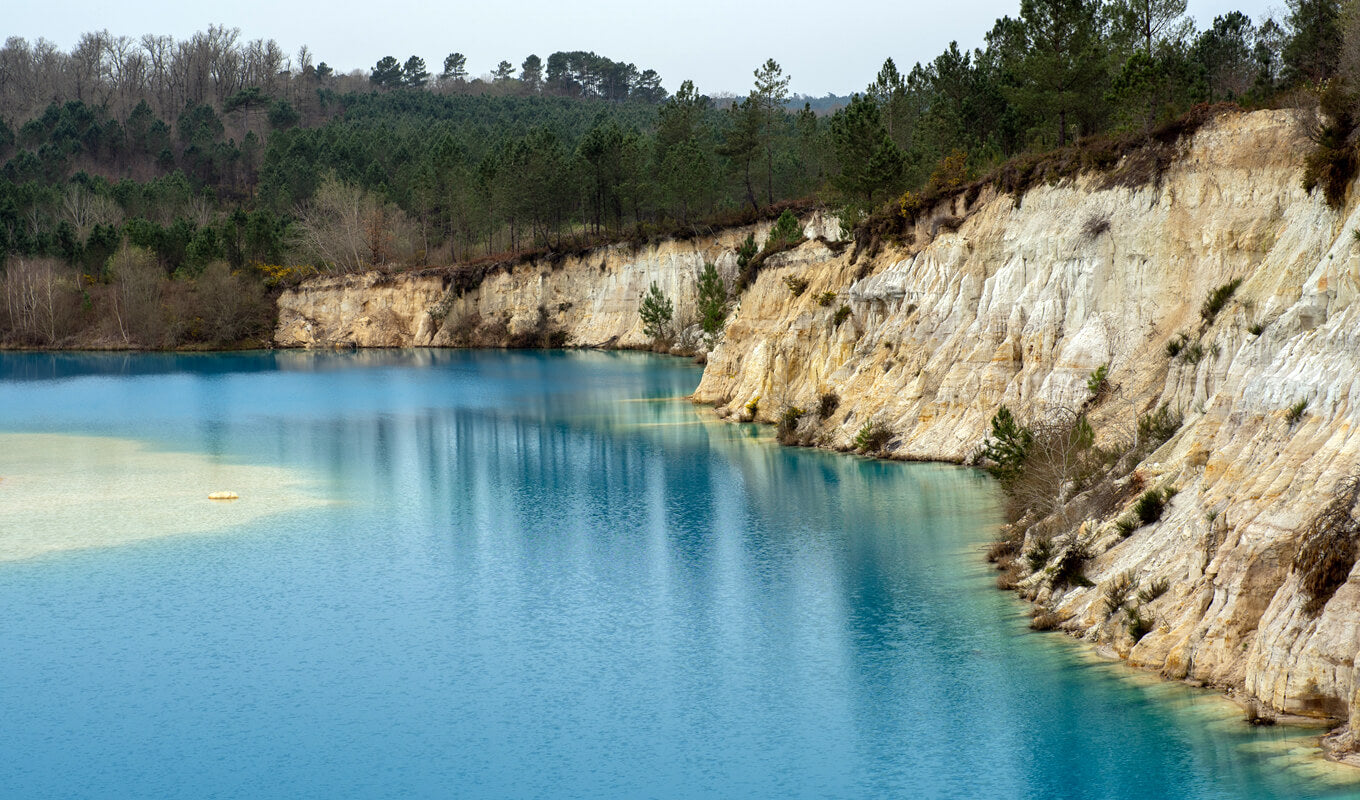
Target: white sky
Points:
(834, 46)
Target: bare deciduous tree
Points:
(39, 301)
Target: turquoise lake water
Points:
(505, 574)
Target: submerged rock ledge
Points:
(1016, 301)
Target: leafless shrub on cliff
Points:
(1009, 577)
(1328, 549)
(493, 333)
(1060, 461)
(463, 328)
(827, 404)
(1256, 716)
(948, 223)
(1045, 620)
(1118, 591)
(1095, 225)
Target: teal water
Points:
(544, 575)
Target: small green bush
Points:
(1038, 555)
(1192, 353)
(1217, 299)
(872, 437)
(842, 314)
(1127, 525)
(826, 298)
(788, 424)
(1150, 506)
(753, 407)
(1295, 413)
(796, 285)
(746, 251)
(1071, 567)
(1156, 427)
(1257, 328)
(1139, 626)
(785, 233)
(1098, 382)
(1176, 345)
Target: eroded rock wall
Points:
(590, 300)
(1026, 299)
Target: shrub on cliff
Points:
(827, 404)
(785, 234)
(1217, 299)
(1332, 164)
(787, 427)
(1327, 552)
(872, 437)
(1150, 506)
(1118, 591)
(1295, 413)
(1156, 427)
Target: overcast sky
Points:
(834, 46)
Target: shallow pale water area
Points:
(62, 492)
(500, 574)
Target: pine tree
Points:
(531, 72)
(414, 73)
(386, 73)
(768, 98)
(455, 67)
(871, 164)
(656, 313)
(1060, 73)
(1310, 54)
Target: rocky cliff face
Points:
(585, 300)
(1016, 302)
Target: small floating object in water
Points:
(224, 496)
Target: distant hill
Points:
(823, 106)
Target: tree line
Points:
(216, 156)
